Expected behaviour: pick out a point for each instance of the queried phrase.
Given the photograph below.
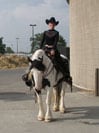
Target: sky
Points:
(17, 15)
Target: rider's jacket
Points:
(50, 37)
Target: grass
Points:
(12, 61)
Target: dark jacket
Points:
(50, 37)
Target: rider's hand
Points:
(52, 52)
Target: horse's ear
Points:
(29, 59)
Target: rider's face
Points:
(51, 26)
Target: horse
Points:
(42, 73)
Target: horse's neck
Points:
(50, 70)
(47, 61)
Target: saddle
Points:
(61, 64)
(57, 59)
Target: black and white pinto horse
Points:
(42, 69)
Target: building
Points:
(84, 42)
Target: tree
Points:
(2, 46)
(36, 42)
(9, 50)
(38, 37)
(62, 41)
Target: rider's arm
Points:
(43, 40)
(56, 40)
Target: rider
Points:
(49, 43)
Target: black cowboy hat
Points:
(52, 20)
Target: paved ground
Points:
(18, 111)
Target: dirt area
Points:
(12, 61)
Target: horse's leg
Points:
(41, 113)
(56, 99)
(48, 116)
(62, 104)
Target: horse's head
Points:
(37, 69)
(35, 75)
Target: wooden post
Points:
(97, 82)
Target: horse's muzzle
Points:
(26, 80)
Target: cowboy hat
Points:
(52, 20)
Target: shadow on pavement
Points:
(86, 115)
(15, 96)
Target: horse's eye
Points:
(40, 58)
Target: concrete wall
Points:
(84, 41)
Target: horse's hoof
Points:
(63, 110)
(48, 120)
(41, 119)
(55, 109)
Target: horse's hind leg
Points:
(48, 116)
(56, 99)
(62, 107)
(41, 113)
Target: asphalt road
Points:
(18, 110)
